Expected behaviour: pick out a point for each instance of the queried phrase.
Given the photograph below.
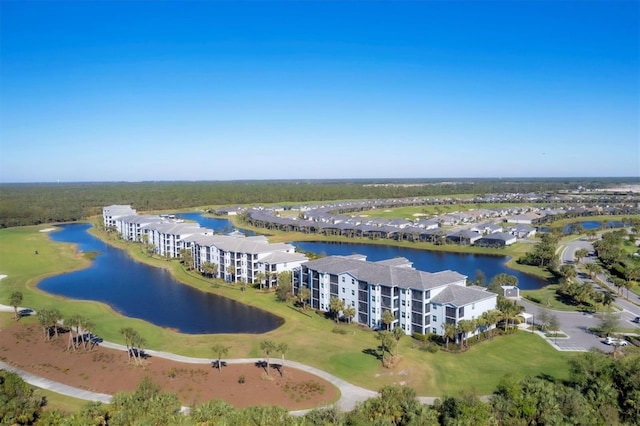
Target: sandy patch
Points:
(109, 371)
(420, 214)
(47, 229)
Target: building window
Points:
(353, 292)
(433, 330)
(344, 289)
(473, 306)
(342, 279)
(434, 318)
(353, 303)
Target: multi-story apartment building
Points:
(421, 302)
(168, 238)
(111, 213)
(240, 259)
(133, 227)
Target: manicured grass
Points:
(310, 340)
(548, 298)
(58, 401)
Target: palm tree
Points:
(128, 333)
(509, 310)
(137, 345)
(493, 316)
(349, 312)
(303, 295)
(336, 305)
(581, 254)
(220, 351)
(464, 327)
(387, 319)
(15, 300)
(593, 269)
(71, 322)
(186, 258)
(448, 332)
(231, 270)
(268, 346)
(282, 348)
(398, 333)
(386, 340)
(260, 277)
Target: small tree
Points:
(220, 351)
(388, 319)
(303, 296)
(581, 254)
(554, 325)
(448, 332)
(15, 300)
(349, 312)
(336, 305)
(386, 341)
(398, 333)
(608, 323)
(282, 348)
(268, 347)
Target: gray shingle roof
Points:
(460, 296)
(384, 274)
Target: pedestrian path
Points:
(350, 395)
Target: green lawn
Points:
(308, 335)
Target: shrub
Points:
(241, 379)
(339, 330)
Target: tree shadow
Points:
(215, 364)
(262, 364)
(373, 352)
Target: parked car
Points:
(615, 341)
(26, 312)
(636, 320)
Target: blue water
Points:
(429, 261)
(149, 293)
(218, 225)
(586, 225)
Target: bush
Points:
(241, 379)
(339, 330)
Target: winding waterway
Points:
(141, 291)
(149, 293)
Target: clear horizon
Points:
(223, 91)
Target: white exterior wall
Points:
(323, 293)
(405, 310)
(348, 289)
(375, 306)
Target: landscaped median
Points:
(308, 334)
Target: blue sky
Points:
(221, 90)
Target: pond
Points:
(424, 260)
(149, 293)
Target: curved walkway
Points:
(350, 395)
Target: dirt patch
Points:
(109, 371)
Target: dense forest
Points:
(600, 390)
(30, 204)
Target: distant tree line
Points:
(600, 390)
(31, 204)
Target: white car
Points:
(615, 342)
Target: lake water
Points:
(424, 260)
(149, 293)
